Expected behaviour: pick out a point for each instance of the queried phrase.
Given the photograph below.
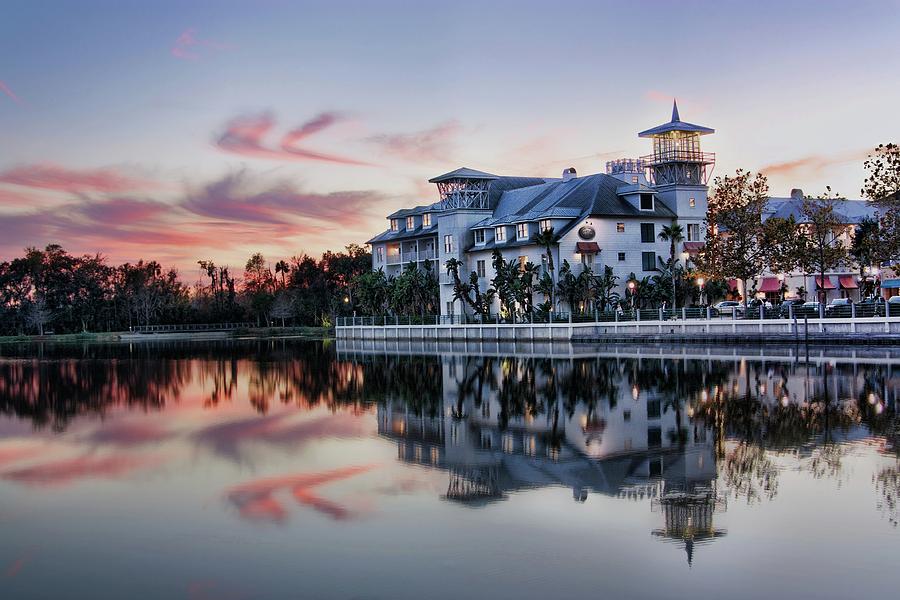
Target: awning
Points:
(848, 282)
(828, 285)
(770, 284)
(890, 284)
(693, 247)
(733, 285)
(587, 247)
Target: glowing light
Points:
(701, 281)
(635, 392)
(872, 399)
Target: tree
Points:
(604, 287)
(822, 225)
(371, 291)
(37, 314)
(258, 286)
(674, 234)
(282, 306)
(867, 250)
(882, 187)
(548, 239)
(284, 268)
(735, 239)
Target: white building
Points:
(611, 218)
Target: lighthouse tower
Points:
(678, 168)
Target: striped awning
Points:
(828, 284)
(587, 248)
(848, 282)
(693, 247)
(733, 285)
(770, 284)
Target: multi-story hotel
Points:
(612, 218)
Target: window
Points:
(544, 264)
(379, 253)
(626, 416)
(646, 201)
(587, 261)
(545, 224)
(648, 261)
(693, 232)
(692, 202)
(653, 409)
(410, 223)
(620, 227)
(634, 179)
(479, 236)
(426, 220)
(449, 307)
(522, 261)
(654, 438)
(448, 244)
(648, 233)
(522, 231)
(395, 225)
(479, 268)
(621, 256)
(500, 234)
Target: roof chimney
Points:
(569, 174)
(796, 194)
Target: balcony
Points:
(412, 256)
(678, 155)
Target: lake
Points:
(286, 468)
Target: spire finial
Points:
(675, 116)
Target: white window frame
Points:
(410, 223)
(395, 224)
(479, 237)
(500, 233)
(521, 231)
(641, 202)
(692, 202)
(545, 225)
(426, 220)
(379, 253)
(448, 244)
(695, 228)
(481, 268)
(620, 227)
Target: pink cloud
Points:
(64, 472)
(17, 565)
(814, 164)
(244, 136)
(187, 45)
(6, 90)
(130, 434)
(14, 453)
(54, 177)
(226, 439)
(255, 500)
(429, 144)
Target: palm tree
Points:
(548, 238)
(673, 234)
(284, 268)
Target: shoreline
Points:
(127, 336)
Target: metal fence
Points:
(738, 313)
(191, 327)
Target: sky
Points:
(185, 130)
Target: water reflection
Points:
(688, 439)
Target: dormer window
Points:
(634, 179)
(522, 231)
(500, 234)
(646, 201)
(395, 225)
(545, 225)
(379, 253)
(426, 220)
(410, 223)
(479, 236)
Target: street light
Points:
(631, 286)
(700, 282)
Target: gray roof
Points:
(418, 210)
(676, 124)
(462, 173)
(404, 234)
(848, 211)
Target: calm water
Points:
(293, 469)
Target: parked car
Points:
(727, 307)
(807, 309)
(785, 308)
(894, 306)
(838, 307)
(870, 307)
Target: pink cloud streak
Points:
(6, 90)
(64, 472)
(54, 177)
(188, 39)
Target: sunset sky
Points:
(182, 130)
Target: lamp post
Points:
(631, 286)
(781, 286)
(700, 282)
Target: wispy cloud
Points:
(188, 46)
(434, 144)
(245, 136)
(9, 93)
(813, 164)
(63, 472)
(54, 177)
(255, 500)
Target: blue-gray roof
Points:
(676, 124)
(462, 173)
(848, 211)
(418, 210)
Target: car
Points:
(727, 307)
(807, 309)
(786, 310)
(870, 307)
(838, 307)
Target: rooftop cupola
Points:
(677, 158)
(464, 188)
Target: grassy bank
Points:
(317, 333)
(67, 337)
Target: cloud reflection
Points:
(64, 472)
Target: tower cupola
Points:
(677, 158)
